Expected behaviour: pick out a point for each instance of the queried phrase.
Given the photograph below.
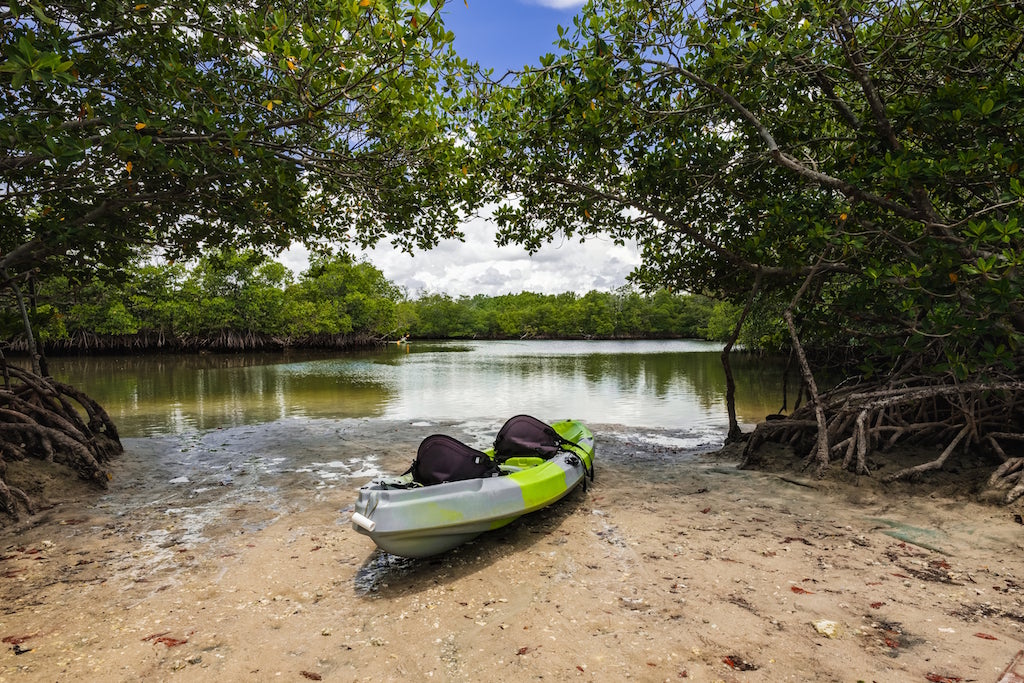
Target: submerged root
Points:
(863, 424)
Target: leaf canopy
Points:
(210, 125)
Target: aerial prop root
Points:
(1011, 473)
(862, 422)
(10, 496)
(43, 419)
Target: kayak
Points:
(407, 519)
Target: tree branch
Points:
(791, 163)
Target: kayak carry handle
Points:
(363, 521)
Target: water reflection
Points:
(644, 384)
(150, 395)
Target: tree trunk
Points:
(735, 433)
(26, 323)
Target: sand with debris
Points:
(229, 556)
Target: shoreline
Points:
(157, 343)
(228, 554)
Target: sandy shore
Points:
(228, 556)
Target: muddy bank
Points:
(228, 555)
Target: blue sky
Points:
(506, 34)
(502, 35)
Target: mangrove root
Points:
(864, 422)
(44, 419)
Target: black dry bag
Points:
(440, 459)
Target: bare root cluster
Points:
(45, 419)
(849, 424)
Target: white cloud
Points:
(479, 266)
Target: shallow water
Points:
(641, 384)
(199, 488)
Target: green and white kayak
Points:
(409, 520)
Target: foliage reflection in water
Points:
(654, 384)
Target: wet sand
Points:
(229, 556)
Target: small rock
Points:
(828, 628)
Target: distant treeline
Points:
(241, 301)
(623, 314)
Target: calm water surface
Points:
(653, 384)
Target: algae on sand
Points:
(911, 534)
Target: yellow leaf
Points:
(291, 64)
(593, 106)
(128, 167)
(140, 6)
(139, 126)
(375, 87)
(365, 3)
(341, 66)
(953, 278)
(586, 213)
(270, 106)
(842, 216)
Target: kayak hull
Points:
(428, 520)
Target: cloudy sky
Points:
(502, 35)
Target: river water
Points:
(676, 384)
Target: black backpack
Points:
(526, 435)
(440, 459)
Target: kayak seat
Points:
(524, 435)
(441, 458)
